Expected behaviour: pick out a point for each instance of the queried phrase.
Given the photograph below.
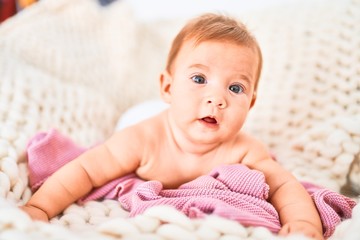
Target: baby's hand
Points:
(35, 213)
(301, 227)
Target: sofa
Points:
(79, 66)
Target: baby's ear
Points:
(165, 86)
(253, 100)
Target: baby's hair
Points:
(213, 26)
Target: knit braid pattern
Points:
(77, 66)
(308, 107)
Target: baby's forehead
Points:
(193, 44)
(196, 41)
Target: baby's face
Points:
(212, 87)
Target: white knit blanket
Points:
(77, 66)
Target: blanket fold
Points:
(232, 191)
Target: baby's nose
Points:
(217, 101)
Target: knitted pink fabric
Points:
(51, 151)
(234, 191)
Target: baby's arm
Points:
(91, 169)
(295, 207)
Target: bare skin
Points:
(210, 97)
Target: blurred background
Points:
(9, 8)
(165, 9)
(148, 10)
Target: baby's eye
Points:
(236, 88)
(198, 79)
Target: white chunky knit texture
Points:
(76, 66)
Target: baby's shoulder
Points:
(153, 127)
(254, 148)
(247, 140)
(250, 143)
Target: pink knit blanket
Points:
(233, 191)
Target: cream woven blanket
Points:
(77, 66)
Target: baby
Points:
(210, 83)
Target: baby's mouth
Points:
(210, 120)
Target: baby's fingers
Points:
(301, 228)
(35, 213)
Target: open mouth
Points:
(209, 120)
